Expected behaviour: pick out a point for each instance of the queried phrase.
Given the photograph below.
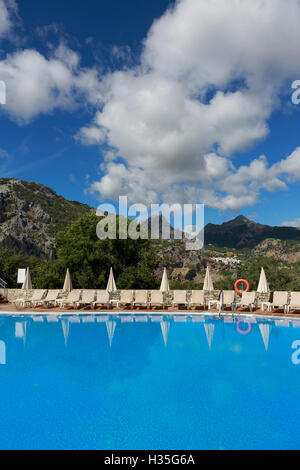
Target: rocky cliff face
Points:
(31, 214)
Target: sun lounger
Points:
(102, 299)
(295, 302)
(126, 298)
(32, 301)
(227, 299)
(51, 298)
(157, 299)
(141, 298)
(280, 300)
(72, 299)
(19, 302)
(179, 298)
(37, 298)
(248, 300)
(197, 299)
(87, 298)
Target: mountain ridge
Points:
(31, 214)
(242, 232)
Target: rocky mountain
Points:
(31, 214)
(244, 233)
(157, 224)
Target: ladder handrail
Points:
(3, 283)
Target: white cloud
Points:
(290, 166)
(219, 183)
(293, 223)
(211, 74)
(8, 10)
(211, 42)
(37, 85)
(5, 23)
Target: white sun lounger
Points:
(248, 300)
(227, 300)
(280, 300)
(126, 298)
(37, 298)
(179, 298)
(197, 299)
(102, 299)
(157, 298)
(87, 298)
(51, 298)
(295, 302)
(72, 299)
(141, 298)
(34, 300)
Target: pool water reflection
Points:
(134, 382)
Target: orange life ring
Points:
(244, 282)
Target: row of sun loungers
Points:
(101, 298)
(156, 298)
(281, 300)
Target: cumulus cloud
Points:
(37, 85)
(219, 183)
(211, 74)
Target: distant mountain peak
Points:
(242, 232)
(240, 220)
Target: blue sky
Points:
(129, 98)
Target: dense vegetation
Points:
(134, 263)
(89, 260)
(280, 276)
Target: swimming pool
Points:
(149, 383)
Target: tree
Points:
(89, 259)
(10, 262)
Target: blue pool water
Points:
(147, 384)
